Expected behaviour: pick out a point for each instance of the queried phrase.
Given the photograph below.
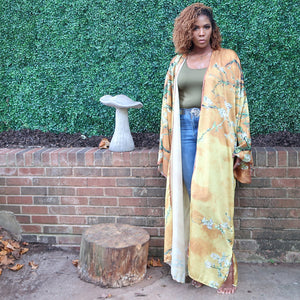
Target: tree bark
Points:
(113, 255)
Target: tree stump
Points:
(113, 255)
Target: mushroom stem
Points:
(122, 139)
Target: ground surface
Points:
(28, 138)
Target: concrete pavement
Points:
(57, 279)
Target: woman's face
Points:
(202, 32)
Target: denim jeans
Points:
(189, 129)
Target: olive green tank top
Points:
(190, 82)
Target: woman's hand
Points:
(237, 162)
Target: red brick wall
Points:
(57, 193)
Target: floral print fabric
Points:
(199, 233)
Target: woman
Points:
(204, 146)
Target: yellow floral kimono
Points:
(199, 232)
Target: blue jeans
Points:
(189, 130)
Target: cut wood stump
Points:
(113, 255)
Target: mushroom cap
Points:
(120, 101)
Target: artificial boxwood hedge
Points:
(58, 57)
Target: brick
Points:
(116, 172)
(153, 156)
(74, 200)
(37, 156)
(72, 156)
(89, 157)
(149, 192)
(282, 159)
(46, 157)
(292, 157)
(62, 210)
(244, 212)
(266, 202)
(294, 193)
(31, 228)
(45, 181)
(286, 182)
(2, 199)
(101, 182)
(65, 181)
(270, 223)
(89, 210)
(80, 156)
(87, 172)
(72, 220)
(132, 201)
(271, 193)
(137, 221)
(2, 181)
(44, 219)
(99, 220)
(69, 239)
(62, 191)
(19, 181)
(29, 238)
(63, 157)
(103, 158)
(79, 229)
(120, 211)
(19, 200)
(156, 201)
(152, 231)
(277, 213)
(132, 182)
(48, 200)
(34, 209)
(20, 158)
(13, 208)
(8, 171)
(121, 159)
(145, 211)
(261, 157)
(141, 158)
(59, 172)
(145, 172)
(275, 234)
(155, 182)
(271, 157)
(246, 245)
(54, 157)
(118, 191)
(57, 229)
(90, 191)
(31, 171)
(293, 172)
(243, 234)
(28, 156)
(104, 201)
(270, 172)
(34, 191)
(46, 239)
(155, 221)
(156, 242)
(10, 190)
(23, 219)
(257, 182)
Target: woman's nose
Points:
(201, 31)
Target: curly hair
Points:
(183, 28)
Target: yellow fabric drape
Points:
(199, 233)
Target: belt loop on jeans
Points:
(195, 111)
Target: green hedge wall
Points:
(58, 57)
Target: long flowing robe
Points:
(199, 232)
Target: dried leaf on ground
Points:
(75, 262)
(33, 265)
(3, 252)
(154, 262)
(104, 143)
(0, 271)
(24, 250)
(16, 267)
(7, 246)
(5, 261)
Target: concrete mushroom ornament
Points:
(122, 139)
